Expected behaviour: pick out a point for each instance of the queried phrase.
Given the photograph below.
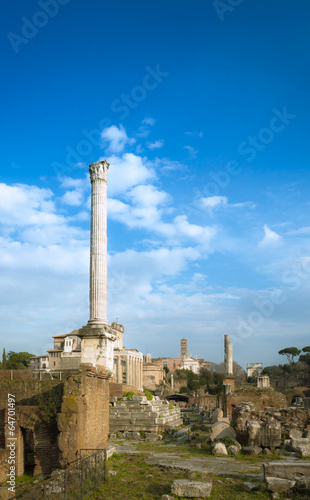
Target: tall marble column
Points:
(97, 338)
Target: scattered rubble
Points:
(191, 489)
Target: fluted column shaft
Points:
(98, 243)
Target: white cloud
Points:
(22, 205)
(148, 195)
(191, 151)
(149, 121)
(270, 239)
(199, 134)
(166, 165)
(302, 231)
(116, 138)
(128, 171)
(73, 198)
(212, 202)
(155, 145)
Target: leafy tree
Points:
(290, 353)
(18, 360)
(185, 390)
(273, 371)
(166, 369)
(305, 358)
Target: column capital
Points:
(99, 171)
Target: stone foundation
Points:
(259, 398)
(139, 414)
(119, 389)
(54, 419)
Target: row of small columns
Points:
(133, 369)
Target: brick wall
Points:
(84, 418)
(29, 416)
(83, 421)
(119, 389)
(260, 398)
(15, 374)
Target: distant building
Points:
(172, 364)
(38, 362)
(66, 353)
(128, 363)
(254, 369)
(153, 372)
(191, 364)
(183, 348)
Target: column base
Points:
(97, 346)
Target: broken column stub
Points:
(97, 337)
(229, 379)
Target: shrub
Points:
(171, 407)
(129, 394)
(149, 396)
(227, 441)
(185, 390)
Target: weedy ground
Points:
(135, 479)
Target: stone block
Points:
(301, 447)
(270, 434)
(266, 451)
(295, 434)
(219, 449)
(222, 429)
(251, 450)
(167, 497)
(249, 487)
(279, 485)
(217, 414)
(180, 433)
(287, 470)
(191, 489)
(136, 435)
(153, 436)
(233, 450)
(253, 428)
(302, 484)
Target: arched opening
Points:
(29, 462)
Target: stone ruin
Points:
(138, 414)
(286, 428)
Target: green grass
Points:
(137, 480)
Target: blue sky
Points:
(202, 110)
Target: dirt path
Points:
(202, 464)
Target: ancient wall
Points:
(153, 375)
(119, 389)
(83, 421)
(260, 398)
(36, 405)
(55, 419)
(207, 402)
(178, 383)
(289, 418)
(4, 455)
(16, 374)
